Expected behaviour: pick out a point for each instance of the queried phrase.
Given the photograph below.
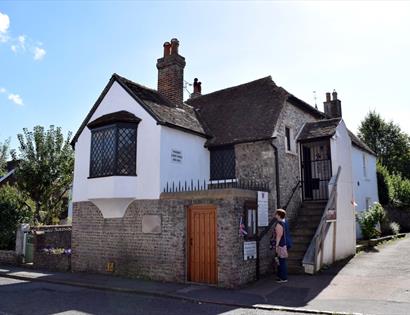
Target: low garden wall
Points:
(399, 215)
(120, 245)
(8, 257)
(52, 247)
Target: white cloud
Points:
(2, 90)
(4, 26)
(39, 53)
(21, 43)
(4, 23)
(16, 99)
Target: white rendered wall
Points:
(146, 185)
(364, 183)
(341, 152)
(194, 164)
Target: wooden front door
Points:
(202, 244)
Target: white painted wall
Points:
(146, 185)
(155, 166)
(341, 152)
(194, 164)
(364, 182)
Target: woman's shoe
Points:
(281, 281)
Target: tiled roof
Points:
(327, 128)
(319, 129)
(247, 112)
(360, 144)
(120, 116)
(162, 110)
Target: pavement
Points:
(373, 282)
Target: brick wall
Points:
(97, 241)
(289, 164)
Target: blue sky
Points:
(56, 57)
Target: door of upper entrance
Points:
(202, 266)
(316, 169)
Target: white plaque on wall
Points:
(176, 156)
(263, 207)
(151, 224)
(249, 250)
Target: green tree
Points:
(45, 172)
(384, 185)
(4, 152)
(14, 209)
(388, 141)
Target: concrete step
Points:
(299, 246)
(296, 254)
(301, 240)
(311, 211)
(304, 217)
(314, 204)
(295, 266)
(304, 232)
(312, 224)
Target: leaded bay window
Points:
(223, 163)
(113, 145)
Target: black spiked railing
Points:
(198, 185)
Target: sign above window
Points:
(176, 156)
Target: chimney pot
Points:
(334, 95)
(197, 88)
(328, 97)
(167, 49)
(174, 46)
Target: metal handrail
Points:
(292, 194)
(272, 222)
(318, 238)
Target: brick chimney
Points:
(333, 107)
(171, 73)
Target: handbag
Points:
(283, 250)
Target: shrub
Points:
(370, 219)
(13, 210)
(384, 185)
(401, 190)
(394, 228)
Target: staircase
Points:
(302, 232)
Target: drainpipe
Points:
(275, 149)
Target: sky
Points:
(56, 57)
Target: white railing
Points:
(316, 244)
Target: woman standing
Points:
(280, 246)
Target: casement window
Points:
(364, 158)
(223, 163)
(290, 145)
(113, 146)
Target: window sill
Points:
(92, 177)
(291, 153)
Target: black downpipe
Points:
(259, 237)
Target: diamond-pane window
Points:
(113, 150)
(223, 163)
